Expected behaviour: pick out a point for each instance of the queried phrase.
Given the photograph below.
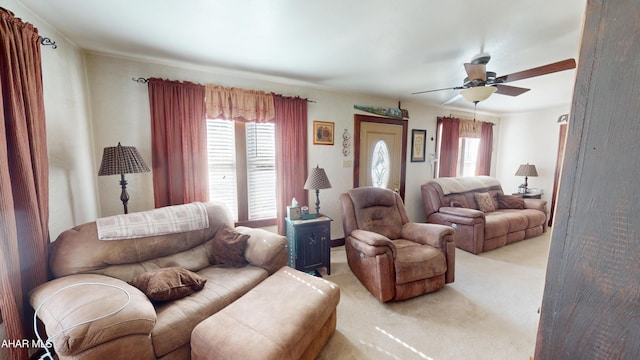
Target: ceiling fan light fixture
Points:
(478, 93)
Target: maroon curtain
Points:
(449, 140)
(24, 176)
(291, 153)
(483, 163)
(178, 142)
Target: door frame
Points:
(562, 139)
(357, 120)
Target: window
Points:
(467, 156)
(464, 147)
(242, 171)
(261, 170)
(380, 164)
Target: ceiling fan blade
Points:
(452, 100)
(476, 71)
(428, 91)
(510, 90)
(540, 70)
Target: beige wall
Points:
(533, 138)
(120, 110)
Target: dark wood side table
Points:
(309, 244)
(530, 195)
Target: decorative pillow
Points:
(484, 201)
(228, 247)
(168, 283)
(510, 202)
(456, 203)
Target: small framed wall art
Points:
(418, 139)
(323, 132)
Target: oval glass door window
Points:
(380, 164)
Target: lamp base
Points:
(124, 195)
(317, 202)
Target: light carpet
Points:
(489, 312)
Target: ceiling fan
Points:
(480, 83)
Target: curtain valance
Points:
(470, 129)
(239, 104)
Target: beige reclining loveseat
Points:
(453, 201)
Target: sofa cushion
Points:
(280, 319)
(516, 219)
(534, 217)
(510, 202)
(228, 247)
(416, 262)
(495, 226)
(377, 212)
(78, 250)
(65, 304)
(168, 283)
(485, 202)
(177, 318)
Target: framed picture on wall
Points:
(323, 132)
(418, 139)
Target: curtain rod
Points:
(142, 80)
(45, 41)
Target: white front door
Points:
(380, 157)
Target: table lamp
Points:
(526, 170)
(317, 180)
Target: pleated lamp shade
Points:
(120, 160)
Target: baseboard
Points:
(337, 242)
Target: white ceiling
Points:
(379, 47)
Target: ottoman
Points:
(289, 315)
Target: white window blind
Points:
(247, 187)
(468, 156)
(261, 170)
(221, 151)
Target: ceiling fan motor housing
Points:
(482, 59)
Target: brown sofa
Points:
(455, 202)
(143, 329)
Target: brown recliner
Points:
(393, 258)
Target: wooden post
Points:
(591, 303)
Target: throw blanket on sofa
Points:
(166, 220)
(451, 185)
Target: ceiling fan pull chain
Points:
(475, 108)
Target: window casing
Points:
(242, 169)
